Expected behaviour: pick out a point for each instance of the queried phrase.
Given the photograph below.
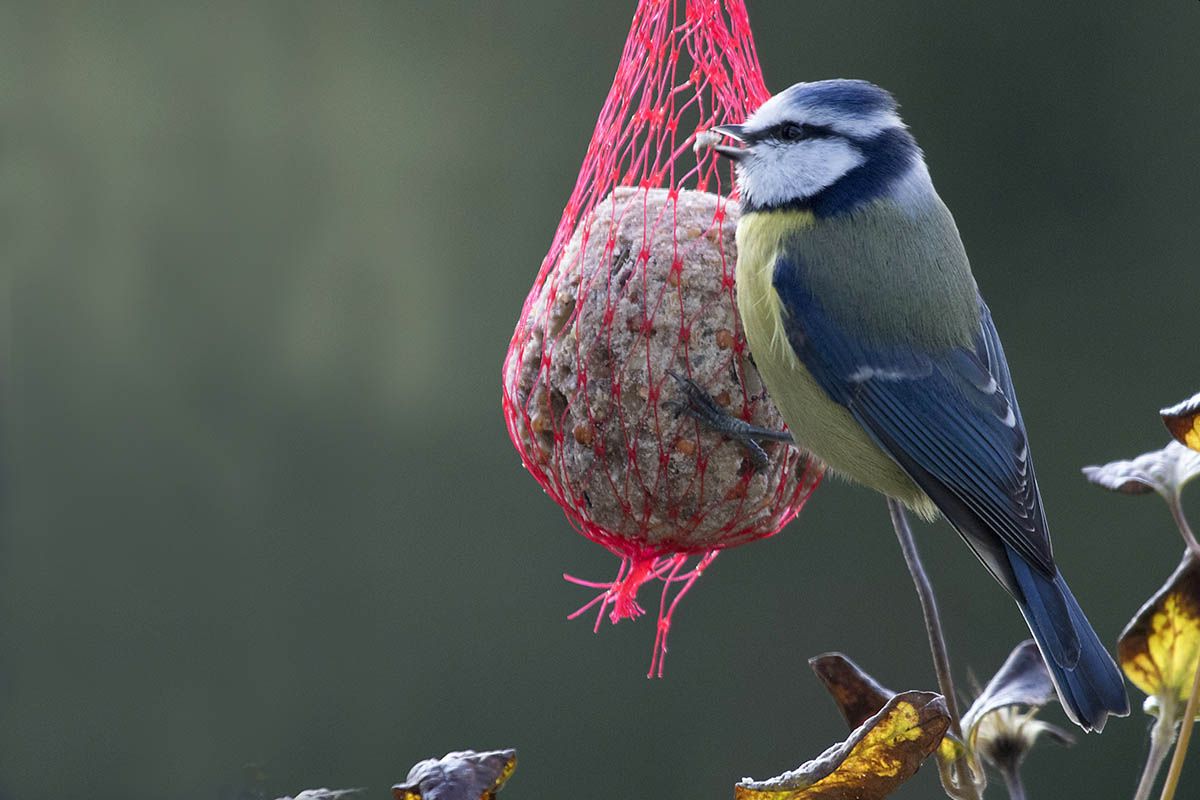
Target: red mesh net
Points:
(638, 287)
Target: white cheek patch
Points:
(777, 173)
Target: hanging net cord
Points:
(621, 594)
(588, 410)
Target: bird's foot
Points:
(700, 405)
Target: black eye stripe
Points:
(791, 131)
(806, 132)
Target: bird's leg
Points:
(960, 779)
(699, 404)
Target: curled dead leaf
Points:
(879, 756)
(1183, 421)
(857, 694)
(322, 794)
(464, 775)
(1164, 471)
(1022, 680)
(996, 727)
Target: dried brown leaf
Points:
(1183, 421)
(465, 775)
(873, 762)
(857, 694)
(322, 794)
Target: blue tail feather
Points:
(1089, 684)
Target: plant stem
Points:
(962, 783)
(1189, 714)
(1185, 736)
(1162, 736)
(1189, 538)
(1012, 782)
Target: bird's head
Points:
(827, 146)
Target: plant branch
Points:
(962, 783)
(1185, 736)
(1162, 736)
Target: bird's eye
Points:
(790, 132)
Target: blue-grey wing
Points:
(949, 419)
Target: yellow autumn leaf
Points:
(859, 696)
(1183, 421)
(873, 762)
(1160, 648)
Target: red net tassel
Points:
(639, 285)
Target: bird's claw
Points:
(699, 404)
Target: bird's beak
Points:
(733, 132)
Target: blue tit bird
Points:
(864, 319)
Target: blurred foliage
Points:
(1159, 649)
(324, 794)
(262, 265)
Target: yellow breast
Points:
(818, 424)
(760, 239)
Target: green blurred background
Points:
(260, 505)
